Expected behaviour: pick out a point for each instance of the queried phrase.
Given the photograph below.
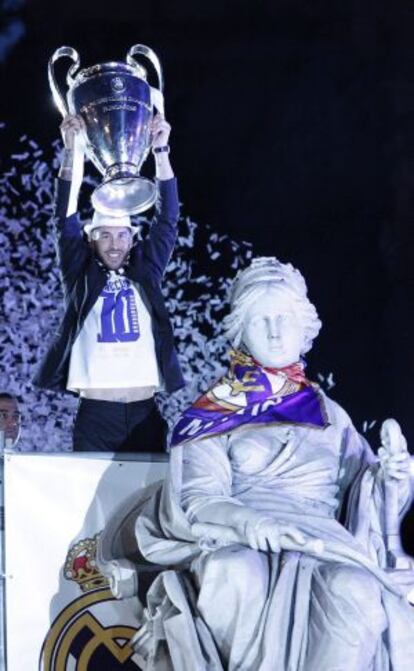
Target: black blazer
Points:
(83, 279)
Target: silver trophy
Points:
(116, 103)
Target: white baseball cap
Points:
(98, 220)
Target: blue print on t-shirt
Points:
(119, 315)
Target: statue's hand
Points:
(393, 454)
(394, 466)
(259, 533)
(264, 533)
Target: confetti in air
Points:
(32, 303)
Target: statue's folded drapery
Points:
(234, 608)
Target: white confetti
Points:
(33, 303)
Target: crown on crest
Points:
(80, 565)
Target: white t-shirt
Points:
(115, 346)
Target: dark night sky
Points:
(292, 128)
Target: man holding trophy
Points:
(115, 345)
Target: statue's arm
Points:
(358, 458)
(206, 498)
(369, 511)
(207, 481)
(394, 460)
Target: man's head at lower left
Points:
(10, 417)
(111, 239)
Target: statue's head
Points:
(271, 314)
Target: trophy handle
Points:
(58, 97)
(148, 53)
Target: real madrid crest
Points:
(87, 635)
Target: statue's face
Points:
(272, 331)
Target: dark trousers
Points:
(106, 426)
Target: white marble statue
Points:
(272, 523)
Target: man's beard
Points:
(112, 259)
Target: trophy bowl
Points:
(117, 105)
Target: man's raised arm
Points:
(159, 245)
(70, 246)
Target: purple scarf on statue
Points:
(251, 394)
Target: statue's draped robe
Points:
(307, 477)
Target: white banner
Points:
(60, 613)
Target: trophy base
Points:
(124, 195)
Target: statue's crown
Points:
(264, 269)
